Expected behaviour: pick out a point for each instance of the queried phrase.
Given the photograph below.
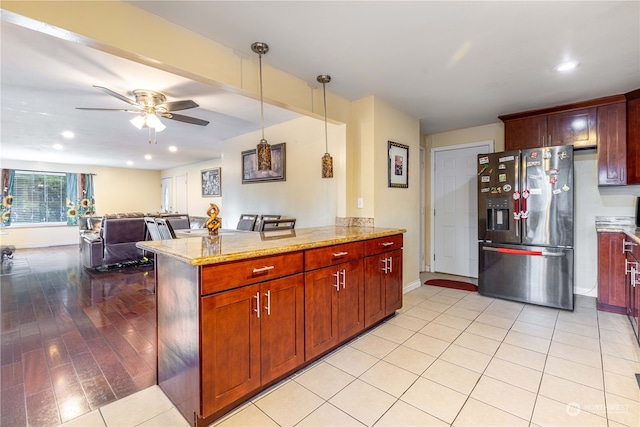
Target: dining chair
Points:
(152, 228)
(247, 222)
(277, 224)
(262, 218)
(166, 231)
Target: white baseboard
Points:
(411, 286)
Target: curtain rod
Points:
(41, 171)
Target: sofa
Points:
(111, 240)
(115, 242)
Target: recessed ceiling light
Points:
(57, 146)
(567, 66)
(129, 163)
(148, 157)
(67, 134)
(173, 148)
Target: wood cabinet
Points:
(633, 137)
(579, 124)
(334, 306)
(575, 127)
(228, 330)
(611, 272)
(383, 278)
(612, 144)
(523, 133)
(250, 336)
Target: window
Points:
(39, 197)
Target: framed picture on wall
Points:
(398, 165)
(211, 182)
(250, 172)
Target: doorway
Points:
(455, 212)
(166, 199)
(181, 194)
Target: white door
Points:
(166, 199)
(181, 194)
(455, 208)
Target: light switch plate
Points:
(360, 203)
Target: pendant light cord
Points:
(326, 139)
(261, 99)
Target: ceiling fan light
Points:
(138, 121)
(154, 122)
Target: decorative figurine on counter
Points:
(213, 223)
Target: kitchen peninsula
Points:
(239, 312)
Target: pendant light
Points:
(327, 160)
(263, 150)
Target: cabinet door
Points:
(375, 306)
(321, 311)
(350, 299)
(633, 141)
(393, 286)
(576, 127)
(282, 326)
(612, 144)
(528, 132)
(611, 273)
(230, 354)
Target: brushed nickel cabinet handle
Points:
(268, 307)
(340, 254)
(263, 269)
(257, 309)
(337, 284)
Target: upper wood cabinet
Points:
(573, 124)
(612, 144)
(528, 132)
(576, 127)
(633, 137)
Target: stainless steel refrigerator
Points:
(525, 225)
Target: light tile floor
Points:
(448, 358)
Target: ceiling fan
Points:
(149, 105)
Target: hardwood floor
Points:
(72, 339)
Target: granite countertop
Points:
(618, 224)
(231, 246)
(614, 223)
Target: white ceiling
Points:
(450, 64)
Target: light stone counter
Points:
(231, 246)
(618, 224)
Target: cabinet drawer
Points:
(220, 277)
(382, 244)
(331, 255)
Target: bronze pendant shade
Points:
(327, 160)
(263, 150)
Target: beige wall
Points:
(116, 189)
(397, 207)
(305, 195)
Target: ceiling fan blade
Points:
(109, 109)
(116, 95)
(179, 105)
(185, 119)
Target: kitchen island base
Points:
(229, 330)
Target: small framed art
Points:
(211, 182)
(250, 172)
(398, 165)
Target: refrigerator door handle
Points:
(522, 252)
